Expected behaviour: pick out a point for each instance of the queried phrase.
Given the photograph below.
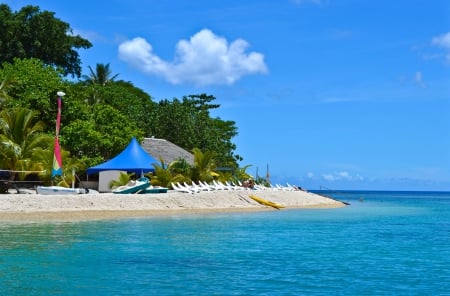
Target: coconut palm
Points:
(181, 166)
(241, 173)
(204, 166)
(21, 133)
(97, 79)
(102, 75)
(164, 174)
(124, 178)
(44, 163)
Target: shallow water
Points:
(384, 243)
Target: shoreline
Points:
(105, 206)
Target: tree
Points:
(43, 162)
(204, 166)
(102, 75)
(97, 80)
(188, 124)
(164, 175)
(124, 178)
(101, 137)
(20, 136)
(32, 33)
(33, 85)
(130, 101)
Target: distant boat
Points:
(59, 190)
(133, 186)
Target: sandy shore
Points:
(109, 206)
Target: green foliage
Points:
(99, 115)
(188, 124)
(124, 178)
(32, 85)
(101, 137)
(241, 173)
(164, 175)
(101, 76)
(130, 101)
(43, 161)
(204, 166)
(181, 166)
(5, 84)
(32, 33)
(20, 136)
(262, 181)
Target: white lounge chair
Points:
(194, 189)
(178, 187)
(206, 186)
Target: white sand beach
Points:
(109, 205)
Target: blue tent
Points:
(132, 159)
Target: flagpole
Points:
(57, 159)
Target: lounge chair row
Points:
(218, 185)
(203, 186)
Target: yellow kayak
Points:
(266, 202)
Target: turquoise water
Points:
(384, 243)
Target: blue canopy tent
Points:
(132, 159)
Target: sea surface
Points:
(383, 243)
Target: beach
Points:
(110, 206)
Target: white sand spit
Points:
(108, 205)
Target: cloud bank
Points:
(338, 176)
(204, 59)
(443, 41)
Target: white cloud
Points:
(337, 176)
(204, 59)
(418, 79)
(444, 42)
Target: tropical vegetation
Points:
(38, 56)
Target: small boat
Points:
(133, 186)
(154, 189)
(59, 190)
(266, 202)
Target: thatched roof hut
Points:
(160, 148)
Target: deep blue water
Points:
(384, 243)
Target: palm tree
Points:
(98, 78)
(241, 173)
(21, 133)
(164, 175)
(124, 178)
(102, 75)
(44, 162)
(204, 166)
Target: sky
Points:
(326, 94)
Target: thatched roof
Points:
(160, 148)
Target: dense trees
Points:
(31, 33)
(96, 132)
(32, 84)
(188, 123)
(100, 115)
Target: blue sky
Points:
(343, 94)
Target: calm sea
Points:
(384, 243)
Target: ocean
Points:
(383, 243)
